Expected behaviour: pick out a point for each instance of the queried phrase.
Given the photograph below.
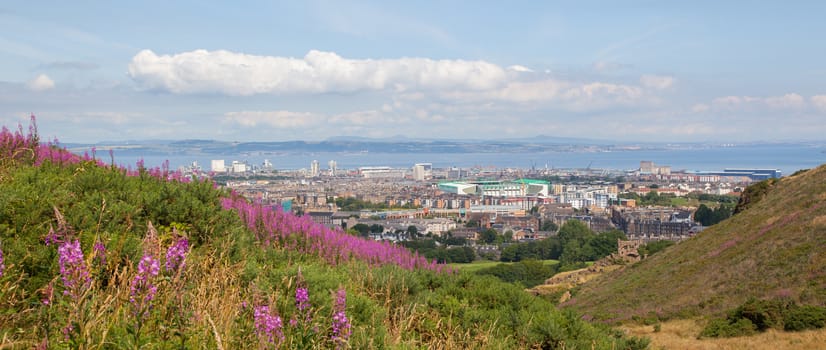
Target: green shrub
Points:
(804, 317)
(764, 314)
(759, 315)
(725, 328)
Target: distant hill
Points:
(774, 247)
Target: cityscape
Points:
(440, 201)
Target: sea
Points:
(786, 157)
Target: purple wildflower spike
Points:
(73, 269)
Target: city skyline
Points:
(271, 71)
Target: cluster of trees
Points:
(444, 253)
(715, 198)
(707, 216)
(575, 243)
(355, 204)
(528, 273)
(652, 198)
(654, 247)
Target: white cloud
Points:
(233, 73)
(700, 108)
(408, 79)
(518, 68)
(275, 119)
(786, 101)
(358, 118)
(659, 82)
(819, 101)
(40, 83)
(791, 101)
(603, 93)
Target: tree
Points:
(508, 236)
(363, 229)
(488, 236)
(707, 216)
(574, 230)
(376, 228)
(549, 226)
(413, 231)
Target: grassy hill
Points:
(774, 247)
(98, 256)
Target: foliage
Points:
(355, 204)
(548, 248)
(440, 254)
(575, 243)
(222, 272)
(707, 216)
(528, 273)
(652, 198)
(723, 328)
(753, 194)
(804, 317)
(654, 247)
(549, 226)
(713, 198)
(757, 315)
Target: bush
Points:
(804, 317)
(764, 314)
(725, 328)
(759, 315)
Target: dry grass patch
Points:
(682, 334)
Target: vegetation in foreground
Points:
(96, 256)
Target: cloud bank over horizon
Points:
(309, 70)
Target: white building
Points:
(314, 169)
(381, 172)
(218, 166)
(332, 164)
(422, 171)
(239, 167)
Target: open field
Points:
(482, 264)
(682, 334)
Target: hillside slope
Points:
(775, 248)
(94, 256)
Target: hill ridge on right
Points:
(774, 247)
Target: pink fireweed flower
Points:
(73, 269)
(268, 325)
(100, 253)
(302, 299)
(341, 324)
(142, 290)
(176, 254)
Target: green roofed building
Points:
(515, 188)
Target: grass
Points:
(682, 334)
(773, 248)
(483, 264)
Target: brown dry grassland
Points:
(682, 334)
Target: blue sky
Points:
(695, 71)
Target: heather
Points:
(773, 247)
(96, 255)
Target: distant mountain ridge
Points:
(336, 145)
